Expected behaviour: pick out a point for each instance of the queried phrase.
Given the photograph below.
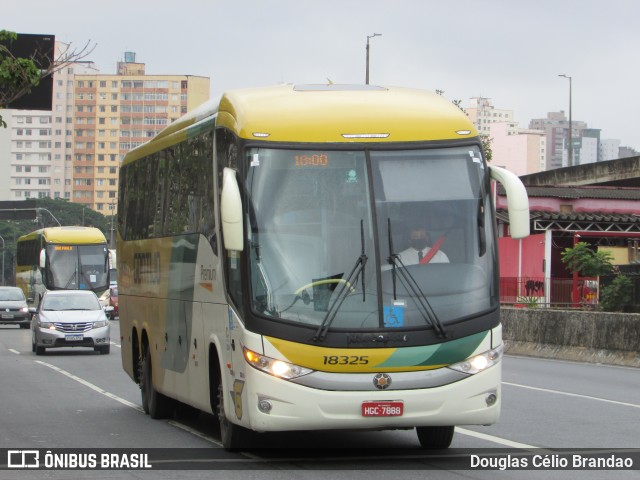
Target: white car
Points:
(70, 318)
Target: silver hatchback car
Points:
(70, 318)
(13, 307)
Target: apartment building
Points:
(115, 113)
(483, 114)
(556, 128)
(26, 145)
(74, 150)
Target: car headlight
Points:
(100, 323)
(479, 363)
(24, 309)
(45, 324)
(274, 367)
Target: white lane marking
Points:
(115, 344)
(568, 394)
(494, 439)
(463, 431)
(91, 386)
(14, 351)
(194, 432)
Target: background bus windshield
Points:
(77, 267)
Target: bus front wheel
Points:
(233, 437)
(435, 438)
(153, 402)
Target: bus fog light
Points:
(491, 399)
(264, 406)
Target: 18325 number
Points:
(345, 360)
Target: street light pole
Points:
(111, 231)
(570, 123)
(52, 216)
(368, 37)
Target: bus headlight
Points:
(479, 363)
(274, 367)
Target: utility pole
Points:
(368, 37)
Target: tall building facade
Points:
(27, 142)
(483, 114)
(556, 128)
(74, 150)
(115, 113)
(520, 151)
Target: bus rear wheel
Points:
(435, 438)
(153, 402)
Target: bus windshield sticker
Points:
(352, 176)
(394, 315)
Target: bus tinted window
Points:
(169, 192)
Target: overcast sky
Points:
(510, 51)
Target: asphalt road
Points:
(77, 398)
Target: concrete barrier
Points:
(598, 337)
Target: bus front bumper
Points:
(273, 404)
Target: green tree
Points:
(616, 295)
(19, 75)
(587, 262)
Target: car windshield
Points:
(388, 238)
(12, 295)
(70, 302)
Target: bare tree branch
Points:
(19, 75)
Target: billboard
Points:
(40, 49)
(18, 210)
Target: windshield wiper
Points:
(358, 269)
(72, 279)
(410, 284)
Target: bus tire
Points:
(435, 438)
(233, 437)
(153, 402)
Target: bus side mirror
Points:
(517, 200)
(231, 212)
(43, 258)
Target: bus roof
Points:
(342, 113)
(322, 113)
(77, 235)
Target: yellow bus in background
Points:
(263, 273)
(61, 258)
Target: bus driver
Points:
(421, 250)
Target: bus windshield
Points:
(370, 239)
(82, 267)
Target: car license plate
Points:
(7, 315)
(74, 338)
(382, 409)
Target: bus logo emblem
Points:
(382, 381)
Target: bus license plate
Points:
(382, 409)
(74, 338)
